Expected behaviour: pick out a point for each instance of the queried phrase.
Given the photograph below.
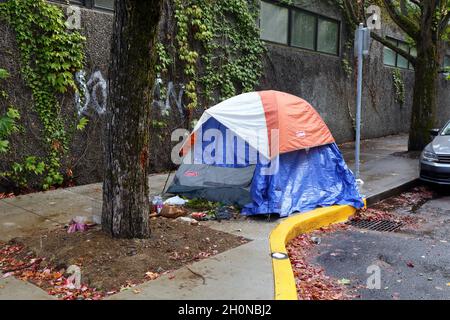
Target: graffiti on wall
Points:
(73, 21)
(92, 93)
(163, 102)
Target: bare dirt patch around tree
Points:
(109, 265)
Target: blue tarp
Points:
(305, 179)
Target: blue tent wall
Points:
(240, 159)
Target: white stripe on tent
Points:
(244, 115)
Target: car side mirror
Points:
(434, 132)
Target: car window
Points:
(446, 131)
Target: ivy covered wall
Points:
(56, 141)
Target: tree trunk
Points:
(424, 100)
(426, 81)
(125, 188)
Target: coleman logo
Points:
(191, 174)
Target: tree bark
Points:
(125, 188)
(426, 69)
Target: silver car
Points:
(435, 158)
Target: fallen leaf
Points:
(151, 275)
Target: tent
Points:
(269, 152)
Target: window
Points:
(295, 27)
(275, 24)
(303, 30)
(91, 4)
(393, 59)
(328, 36)
(446, 130)
(447, 61)
(104, 4)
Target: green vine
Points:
(399, 86)
(49, 57)
(8, 121)
(183, 13)
(218, 44)
(164, 60)
(347, 67)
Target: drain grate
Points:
(376, 225)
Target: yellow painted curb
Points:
(285, 288)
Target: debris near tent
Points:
(195, 210)
(106, 265)
(173, 212)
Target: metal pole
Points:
(358, 99)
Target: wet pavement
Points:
(414, 262)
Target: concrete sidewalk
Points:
(241, 273)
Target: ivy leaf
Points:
(3, 74)
(82, 124)
(13, 113)
(4, 145)
(40, 168)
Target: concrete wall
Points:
(318, 78)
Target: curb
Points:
(392, 192)
(285, 288)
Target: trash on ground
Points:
(316, 240)
(175, 201)
(187, 220)
(200, 216)
(78, 224)
(97, 219)
(344, 281)
(157, 204)
(223, 213)
(173, 212)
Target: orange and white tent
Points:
(305, 168)
(255, 116)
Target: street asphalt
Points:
(414, 264)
